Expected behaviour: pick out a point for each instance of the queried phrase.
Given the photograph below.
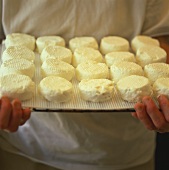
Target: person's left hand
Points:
(151, 116)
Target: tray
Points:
(38, 103)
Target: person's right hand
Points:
(12, 115)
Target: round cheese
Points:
(55, 67)
(18, 52)
(133, 88)
(56, 89)
(83, 54)
(119, 56)
(83, 42)
(142, 40)
(96, 90)
(92, 70)
(150, 54)
(44, 41)
(156, 70)
(17, 86)
(58, 52)
(15, 39)
(122, 69)
(113, 43)
(161, 86)
(18, 66)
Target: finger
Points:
(16, 115)
(5, 112)
(156, 116)
(26, 113)
(143, 116)
(164, 106)
(134, 114)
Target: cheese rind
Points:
(96, 90)
(16, 39)
(161, 86)
(18, 52)
(155, 71)
(150, 54)
(44, 41)
(119, 56)
(113, 43)
(55, 67)
(83, 42)
(56, 89)
(17, 86)
(58, 52)
(92, 70)
(18, 66)
(122, 69)
(83, 54)
(133, 88)
(142, 40)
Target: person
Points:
(87, 141)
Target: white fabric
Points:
(86, 140)
(86, 17)
(92, 141)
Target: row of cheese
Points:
(147, 50)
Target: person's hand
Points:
(12, 115)
(151, 116)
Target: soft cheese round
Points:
(44, 41)
(19, 52)
(17, 86)
(122, 69)
(155, 71)
(96, 90)
(56, 89)
(18, 66)
(119, 56)
(55, 67)
(83, 54)
(133, 88)
(143, 40)
(82, 42)
(92, 70)
(20, 39)
(113, 43)
(58, 52)
(150, 54)
(161, 86)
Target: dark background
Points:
(162, 152)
